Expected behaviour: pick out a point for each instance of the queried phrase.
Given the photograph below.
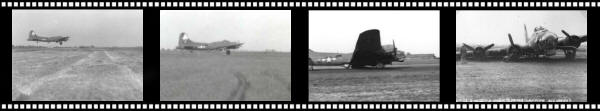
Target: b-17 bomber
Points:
(185, 43)
(542, 42)
(58, 39)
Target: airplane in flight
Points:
(368, 52)
(58, 39)
(542, 43)
(185, 43)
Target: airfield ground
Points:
(413, 80)
(529, 80)
(213, 76)
(73, 74)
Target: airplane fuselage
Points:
(209, 46)
(367, 52)
(344, 59)
(186, 43)
(57, 39)
(545, 43)
(330, 59)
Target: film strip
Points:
(302, 5)
(291, 4)
(300, 106)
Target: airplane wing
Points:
(58, 39)
(224, 46)
(497, 52)
(491, 53)
(50, 39)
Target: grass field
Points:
(551, 79)
(213, 76)
(413, 80)
(77, 74)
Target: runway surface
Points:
(414, 81)
(213, 76)
(551, 79)
(77, 75)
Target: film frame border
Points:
(303, 106)
(230, 4)
(308, 106)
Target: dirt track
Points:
(99, 75)
(399, 82)
(212, 76)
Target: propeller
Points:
(395, 49)
(511, 40)
(468, 47)
(526, 36)
(574, 39)
(565, 32)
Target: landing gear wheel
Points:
(380, 65)
(514, 53)
(347, 66)
(570, 54)
(356, 67)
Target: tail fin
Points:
(367, 49)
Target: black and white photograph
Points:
(381, 55)
(225, 55)
(521, 56)
(77, 55)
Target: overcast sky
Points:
(122, 28)
(259, 30)
(486, 27)
(416, 32)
